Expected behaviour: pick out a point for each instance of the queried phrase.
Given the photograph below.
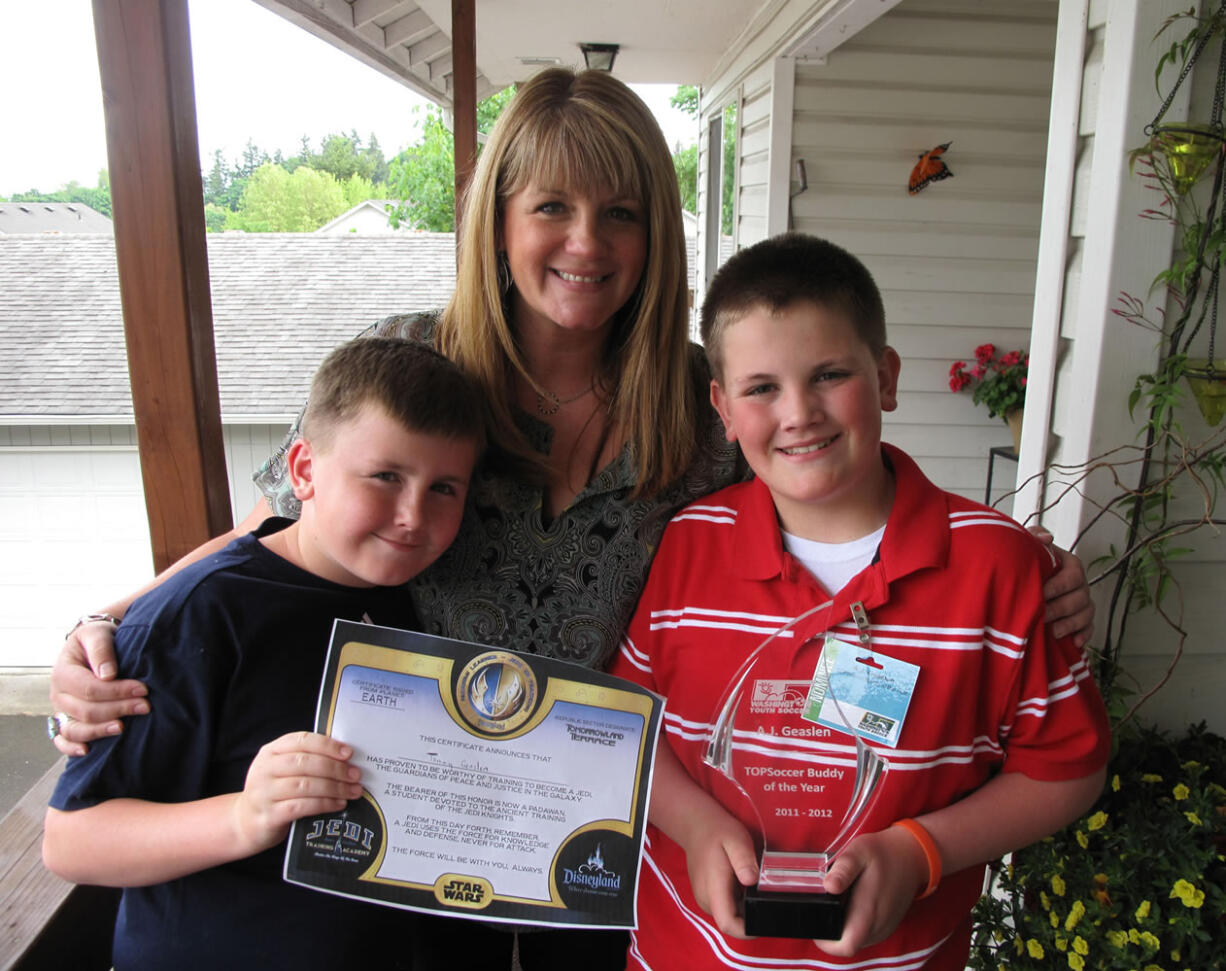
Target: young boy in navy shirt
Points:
(190, 807)
(1005, 738)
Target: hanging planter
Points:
(1207, 379)
(1188, 149)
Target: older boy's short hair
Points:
(782, 270)
(413, 383)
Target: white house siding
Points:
(753, 158)
(73, 532)
(956, 262)
(1098, 356)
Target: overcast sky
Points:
(257, 76)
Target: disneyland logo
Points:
(592, 874)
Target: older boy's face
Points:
(803, 395)
(381, 502)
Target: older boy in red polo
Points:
(1005, 737)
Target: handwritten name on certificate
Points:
(497, 785)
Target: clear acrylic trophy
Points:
(794, 776)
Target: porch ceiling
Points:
(662, 41)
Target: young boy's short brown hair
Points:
(778, 272)
(415, 384)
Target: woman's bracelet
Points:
(931, 853)
(89, 619)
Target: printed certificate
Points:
(497, 785)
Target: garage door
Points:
(73, 537)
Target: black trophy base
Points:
(781, 913)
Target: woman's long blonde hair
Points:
(567, 128)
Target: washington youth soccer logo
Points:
(778, 697)
(497, 691)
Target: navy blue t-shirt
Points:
(232, 650)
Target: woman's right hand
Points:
(84, 687)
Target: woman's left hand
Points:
(1070, 611)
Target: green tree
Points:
(686, 99)
(423, 175)
(729, 177)
(217, 183)
(685, 161)
(277, 201)
(215, 217)
(357, 189)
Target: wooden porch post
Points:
(464, 101)
(144, 58)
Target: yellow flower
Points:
(1143, 910)
(1190, 764)
(1115, 782)
(1117, 939)
(1151, 777)
(1018, 945)
(1034, 948)
(1134, 935)
(1061, 944)
(1044, 900)
(1097, 821)
(1076, 962)
(1187, 893)
(1074, 915)
(1057, 884)
(1055, 919)
(1191, 818)
(1180, 792)
(1153, 967)
(1082, 840)
(1080, 945)
(1149, 940)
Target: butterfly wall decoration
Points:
(930, 168)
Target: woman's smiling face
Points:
(576, 256)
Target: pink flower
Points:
(1023, 382)
(1010, 359)
(985, 353)
(978, 371)
(956, 368)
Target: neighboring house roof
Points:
(366, 217)
(280, 303)
(51, 217)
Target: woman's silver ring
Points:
(56, 723)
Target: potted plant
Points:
(999, 382)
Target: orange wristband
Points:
(931, 853)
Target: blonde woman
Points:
(571, 312)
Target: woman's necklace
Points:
(548, 403)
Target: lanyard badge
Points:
(858, 690)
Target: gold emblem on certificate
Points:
(494, 782)
(806, 789)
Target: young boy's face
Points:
(803, 395)
(381, 502)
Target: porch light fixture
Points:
(599, 57)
